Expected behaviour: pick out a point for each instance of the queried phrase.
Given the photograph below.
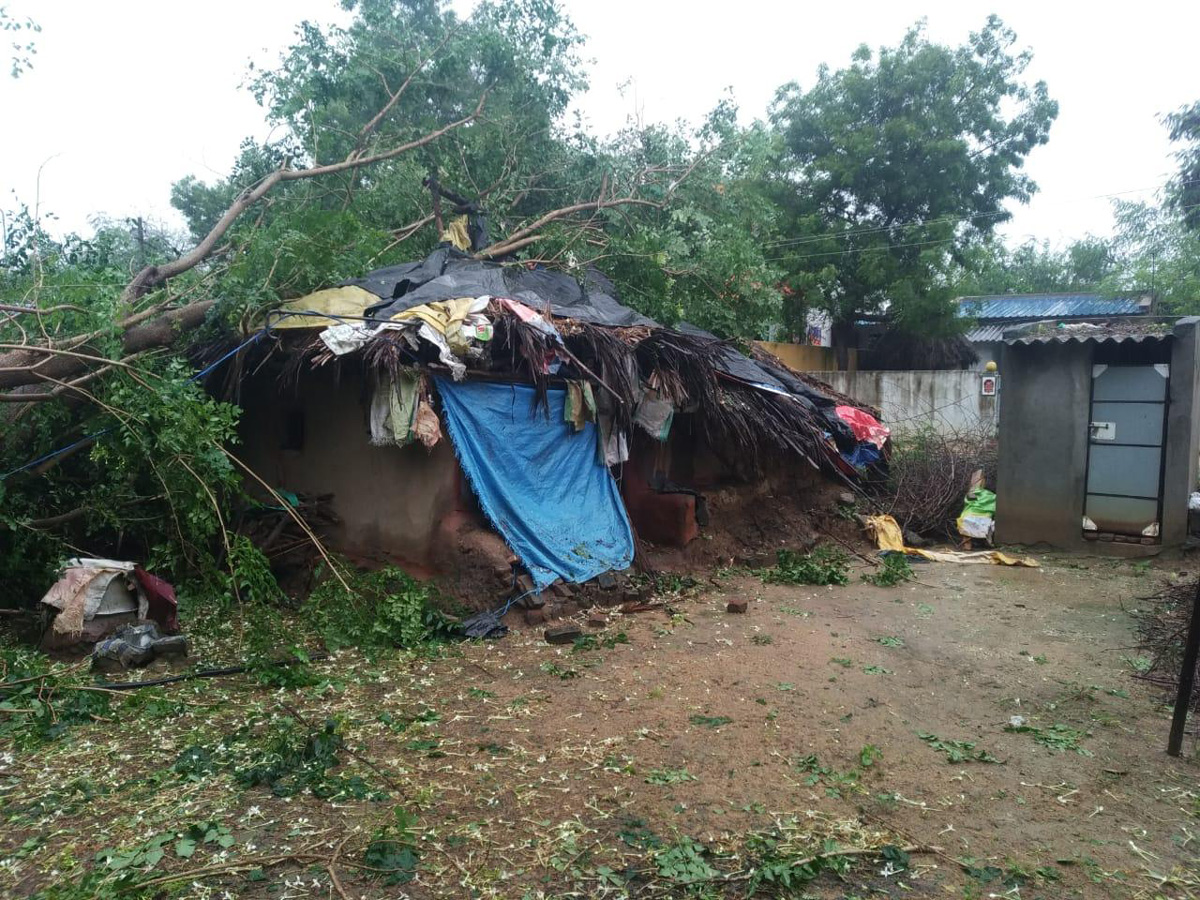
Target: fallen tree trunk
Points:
(36, 365)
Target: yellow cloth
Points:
(889, 537)
(340, 301)
(445, 317)
(456, 234)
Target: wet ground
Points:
(682, 751)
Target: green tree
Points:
(1157, 253)
(697, 255)
(897, 164)
(1035, 267)
(22, 45)
(1184, 190)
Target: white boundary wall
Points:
(947, 400)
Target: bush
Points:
(384, 608)
(825, 565)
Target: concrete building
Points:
(1099, 434)
(994, 313)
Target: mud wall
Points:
(314, 438)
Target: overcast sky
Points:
(127, 96)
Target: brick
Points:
(535, 616)
(607, 581)
(1105, 536)
(1090, 535)
(737, 606)
(563, 634)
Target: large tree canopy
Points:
(895, 165)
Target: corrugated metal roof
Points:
(1149, 329)
(1085, 338)
(987, 333)
(1046, 306)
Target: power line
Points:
(955, 220)
(882, 247)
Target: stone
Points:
(610, 600)
(535, 616)
(1105, 536)
(569, 608)
(737, 606)
(524, 583)
(607, 581)
(1123, 539)
(1090, 536)
(533, 601)
(562, 589)
(912, 539)
(597, 622)
(562, 634)
(631, 596)
(847, 499)
(1149, 541)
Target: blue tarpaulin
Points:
(541, 484)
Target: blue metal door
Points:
(1125, 449)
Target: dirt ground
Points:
(689, 752)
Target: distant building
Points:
(993, 313)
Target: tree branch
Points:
(516, 239)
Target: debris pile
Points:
(94, 597)
(1162, 626)
(929, 474)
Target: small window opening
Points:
(293, 430)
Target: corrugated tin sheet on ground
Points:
(1046, 306)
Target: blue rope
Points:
(238, 349)
(98, 434)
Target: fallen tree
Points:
(98, 347)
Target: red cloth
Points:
(864, 425)
(160, 595)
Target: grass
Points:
(709, 721)
(894, 571)
(957, 751)
(1057, 738)
(669, 776)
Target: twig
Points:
(330, 867)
